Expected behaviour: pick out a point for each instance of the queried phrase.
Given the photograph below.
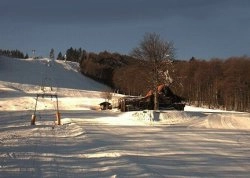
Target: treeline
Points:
(215, 83)
(102, 66)
(72, 54)
(13, 53)
(98, 66)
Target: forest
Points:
(13, 53)
(214, 83)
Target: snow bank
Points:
(224, 120)
(162, 117)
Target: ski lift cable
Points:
(47, 80)
(49, 89)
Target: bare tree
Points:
(107, 95)
(156, 55)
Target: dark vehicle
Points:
(105, 105)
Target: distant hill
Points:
(44, 71)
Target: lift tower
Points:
(47, 91)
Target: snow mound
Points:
(224, 120)
(163, 117)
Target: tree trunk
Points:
(156, 99)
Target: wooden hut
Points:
(167, 100)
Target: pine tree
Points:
(52, 54)
(59, 56)
(26, 56)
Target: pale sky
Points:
(199, 28)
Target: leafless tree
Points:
(156, 55)
(107, 95)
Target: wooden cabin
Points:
(167, 100)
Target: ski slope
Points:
(92, 143)
(58, 74)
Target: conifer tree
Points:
(59, 56)
(52, 54)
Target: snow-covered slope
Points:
(94, 143)
(57, 74)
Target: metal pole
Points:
(33, 117)
(36, 105)
(57, 108)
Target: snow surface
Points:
(196, 142)
(58, 74)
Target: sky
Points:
(204, 29)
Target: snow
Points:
(57, 74)
(196, 142)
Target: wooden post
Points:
(123, 105)
(58, 118)
(33, 119)
(36, 105)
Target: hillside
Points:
(57, 74)
(94, 143)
